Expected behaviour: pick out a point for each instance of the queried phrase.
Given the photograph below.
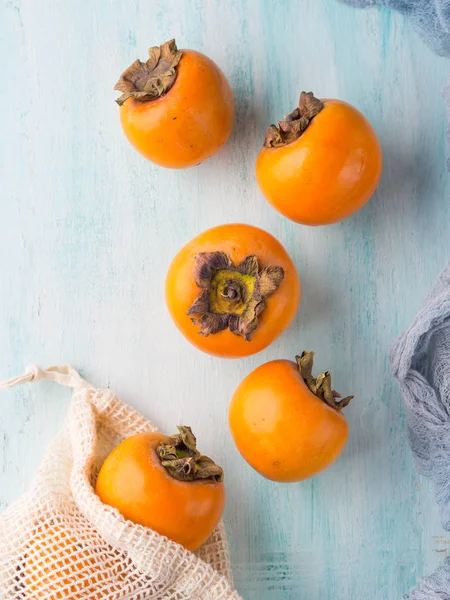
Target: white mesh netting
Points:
(59, 541)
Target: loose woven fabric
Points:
(420, 360)
(446, 96)
(431, 18)
(58, 541)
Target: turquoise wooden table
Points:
(88, 229)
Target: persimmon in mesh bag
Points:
(59, 541)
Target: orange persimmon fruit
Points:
(164, 483)
(232, 290)
(58, 565)
(321, 164)
(177, 108)
(287, 424)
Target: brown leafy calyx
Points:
(150, 80)
(320, 386)
(295, 123)
(232, 297)
(181, 459)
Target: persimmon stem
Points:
(232, 296)
(320, 386)
(152, 79)
(294, 124)
(181, 459)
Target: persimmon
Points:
(287, 424)
(177, 108)
(164, 483)
(232, 290)
(321, 164)
(57, 565)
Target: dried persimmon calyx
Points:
(182, 460)
(232, 297)
(295, 123)
(320, 386)
(148, 80)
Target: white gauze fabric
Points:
(58, 541)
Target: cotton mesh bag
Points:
(59, 541)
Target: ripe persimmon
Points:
(58, 565)
(287, 424)
(321, 164)
(177, 108)
(232, 290)
(164, 483)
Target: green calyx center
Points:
(230, 292)
(181, 459)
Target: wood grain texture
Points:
(88, 229)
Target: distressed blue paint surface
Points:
(82, 215)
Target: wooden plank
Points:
(88, 229)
